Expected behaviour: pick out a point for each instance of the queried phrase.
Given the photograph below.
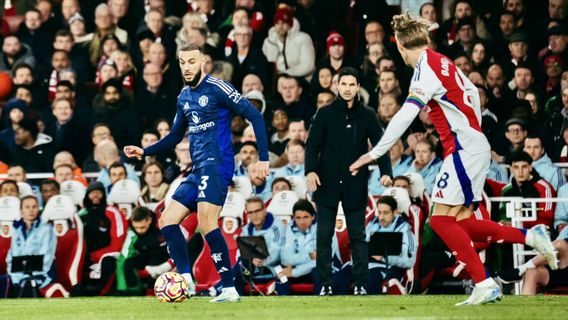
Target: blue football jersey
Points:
(205, 113)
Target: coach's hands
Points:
(133, 151)
(313, 181)
(363, 160)
(262, 169)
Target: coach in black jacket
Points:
(339, 134)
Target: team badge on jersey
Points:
(194, 117)
(203, 101)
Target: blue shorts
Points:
(206, 184)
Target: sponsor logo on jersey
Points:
(195, 117)
(203, 100)
(201, 127)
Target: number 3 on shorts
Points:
(443, 182)
(203, 184)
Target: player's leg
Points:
(355, 219)
(169, 222)
(535, 279)
(454, 191)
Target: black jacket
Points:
(339, 136)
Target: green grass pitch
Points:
(288, 308)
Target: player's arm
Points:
(167, 143)
(396, 128)
(241, 106)
(424, 85)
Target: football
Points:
(171, 287)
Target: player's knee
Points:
(165, 221)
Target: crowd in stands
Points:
(90, 77)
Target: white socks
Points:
(526, 266)
(187, 277)
(489, 282)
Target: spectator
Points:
(64, 157)
(78, 29)
(261, 223)
(498, 91)
(279, 138)
(335, 57)
(290, 49)
(9, 188)
(252, 82)
(388, 107)
(280, 184)
(113, 107)
(14, 52)
(34, 35)
(116, 172)
(247, 154)
(489, 121)
(33, 150)
(518, 53)
(154, 186)
(298, 254)
(515, 133)
(163, 127)
(324, 98)
(400, 163)
(260, 186)
(154, 98)
(69, 8)
(63, 172)
(466, 38)
(105, 231)
(527, 183)
(32, 236)
(297, 130)
(388, 84)
(145, 246)
(388, 219)
(426, 163)
(68, 130)
(48, 189)
(183, 162)
(154, 20)
(106, 154)
(104, 22)
(480, 57)
(542, 163)
(100, 132)
(522, 81)
(125, 68)
(295, 152)
(294, 104)
(245, 57)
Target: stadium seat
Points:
(342, 236)
(25, 189)
(231, 222)
(60, 211)
(371, 209)
(124, 194)
(243, 186)
(9, 212)
(418, 191)
(204, 270)
(413, 214)
(299, 185)
(282, 204)
(75, 189)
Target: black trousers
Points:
(356, 229)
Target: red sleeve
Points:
(545, 213)
(118, 229)
(496, 187)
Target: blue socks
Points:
(177, 247)
(220, 256)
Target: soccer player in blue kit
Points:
(204, 108)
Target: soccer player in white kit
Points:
(453, 105)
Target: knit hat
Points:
(334, 38)
(285, 15)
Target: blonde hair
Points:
(410, 32)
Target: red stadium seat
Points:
(204, 270)
(124, 195)
(9, 212)
(70, 252)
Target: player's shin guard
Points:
(220, 256)
(460, 244)
(177, 247)
(491, 231)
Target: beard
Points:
(193, 83)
